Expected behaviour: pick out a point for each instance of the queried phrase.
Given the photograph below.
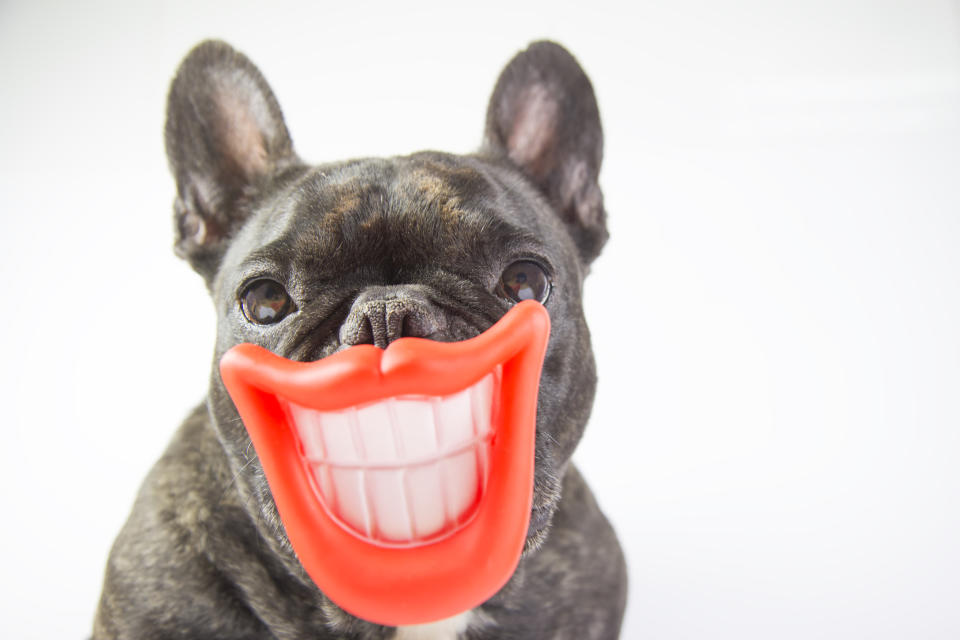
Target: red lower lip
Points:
(435, 579)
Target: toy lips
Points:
(404, 476)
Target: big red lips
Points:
(403, 476)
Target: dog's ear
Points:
(543, 116)
(224, 135)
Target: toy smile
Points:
(403, 476)
(404, 469)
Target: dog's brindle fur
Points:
(369, 250)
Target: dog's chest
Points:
(448, 629)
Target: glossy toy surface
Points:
(403, 476)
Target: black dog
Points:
(306, 261)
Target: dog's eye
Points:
(525, 280)
(265, 302)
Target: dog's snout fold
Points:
(381, 315)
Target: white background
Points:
(776, 316)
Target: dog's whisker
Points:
(236, 476)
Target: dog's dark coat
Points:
(369, 250)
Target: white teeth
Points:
(405, 469)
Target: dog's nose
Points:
(380, 315)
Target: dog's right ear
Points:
(224, 135)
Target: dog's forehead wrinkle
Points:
(268, 225)
(379, 230)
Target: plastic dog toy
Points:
(403, 476)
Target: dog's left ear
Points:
(543, 116)
(225, 136)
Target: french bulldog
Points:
(308, 261)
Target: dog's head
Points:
(308, 260)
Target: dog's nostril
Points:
(381, 321)
(419, 325)
(407, 327)
(376, 323)
(368, 333)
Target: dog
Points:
(309, 261)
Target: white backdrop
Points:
(775, 318)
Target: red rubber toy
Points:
(403, 476)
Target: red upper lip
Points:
(407, 585)
(365, 373)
